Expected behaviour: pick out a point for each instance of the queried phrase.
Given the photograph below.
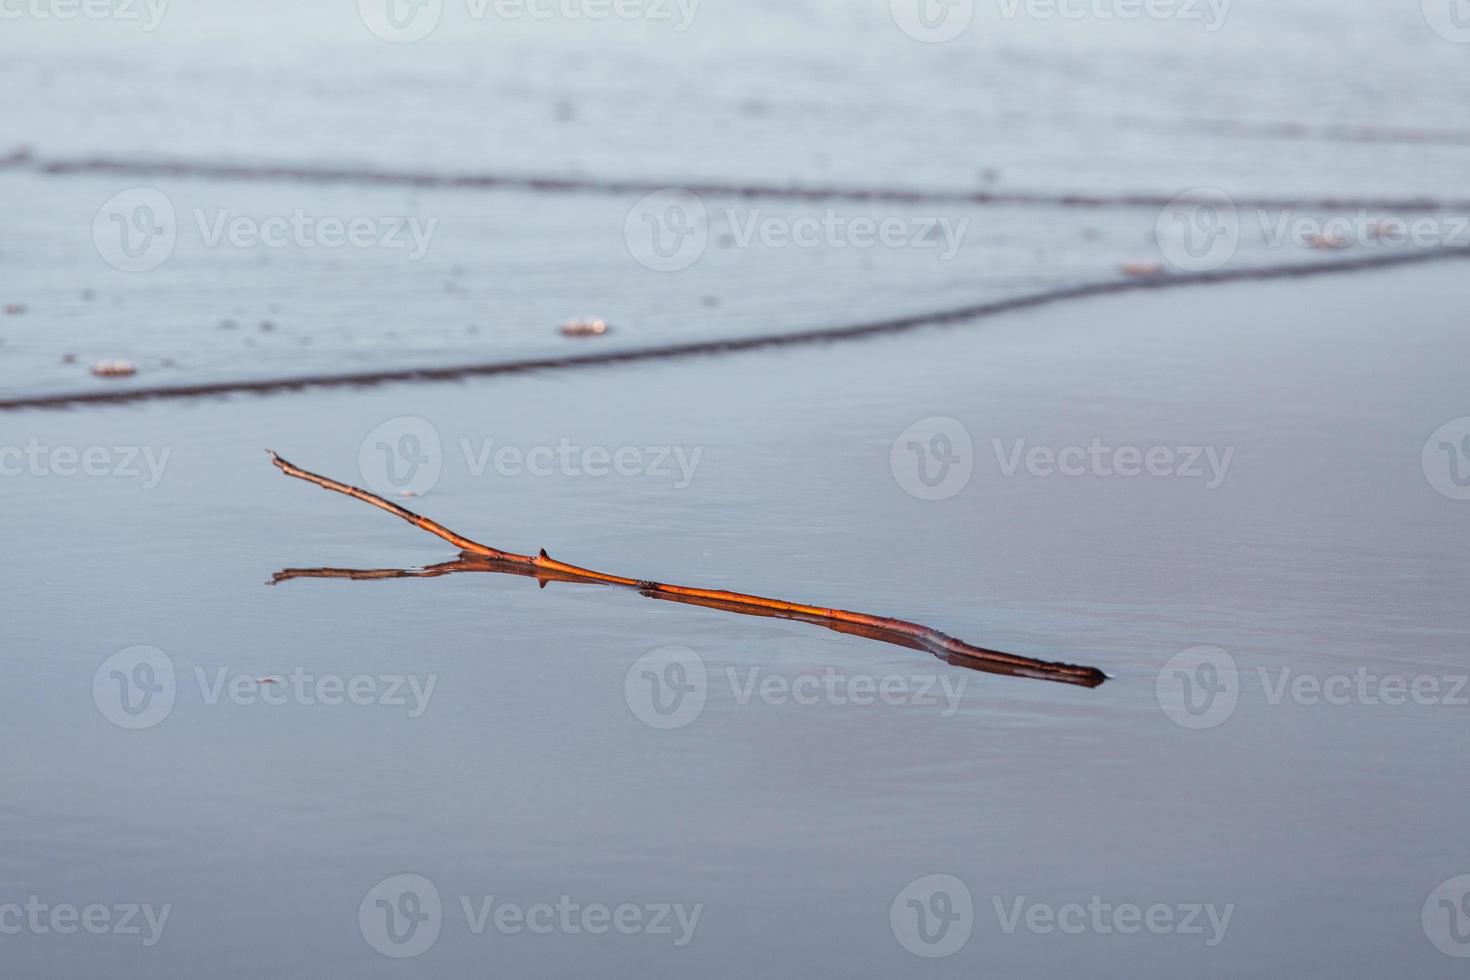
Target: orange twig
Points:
(546, 568)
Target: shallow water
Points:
(530, 776)
(1301, 99)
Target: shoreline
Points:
(885, 327)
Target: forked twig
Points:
(480, 557)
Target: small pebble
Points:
(586, 326)
(14, 309)
(266, 326)
(68, 358)
(1141, 270)
(1328, 241)
(114, 369)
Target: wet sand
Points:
(530, 774)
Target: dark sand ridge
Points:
(142, 167)
(840, 332)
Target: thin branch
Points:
(545, 568)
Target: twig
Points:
(545, 568)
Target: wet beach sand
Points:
(1241, 501)
(530, 774)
